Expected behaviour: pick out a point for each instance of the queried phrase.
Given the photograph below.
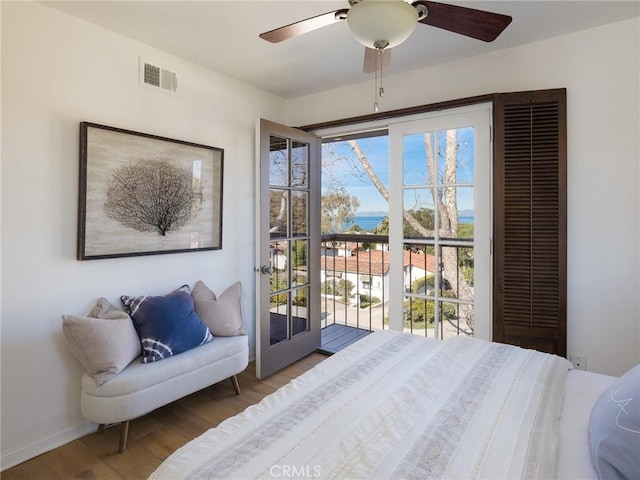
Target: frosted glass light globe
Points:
(390, 21)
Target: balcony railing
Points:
(354, 275)
(354, 271)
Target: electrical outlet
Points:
(579, 361)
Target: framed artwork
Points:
(142, 194)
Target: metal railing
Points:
(354, 271)
(354, 276)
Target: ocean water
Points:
(370, 222)
(366, 222)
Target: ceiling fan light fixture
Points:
(390, 21)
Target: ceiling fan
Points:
(382, 24)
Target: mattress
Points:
(582, 389)
(395, 405)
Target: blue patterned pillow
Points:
(167, 325)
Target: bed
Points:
(396, 405)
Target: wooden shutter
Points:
(530, 220)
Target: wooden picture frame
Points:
(142, 194)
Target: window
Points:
(426, 252)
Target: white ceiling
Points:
(223, 36)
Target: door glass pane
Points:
(299, 315)
(279, 252)
(418, 316)
(299, 214)
(419, 203)
(278, 162)
(466, 212)
(278, 317)
(417, 198)
(278, 216)
(419, 268)
(456, 272)
(453, 319)
(455, 155)
(299, 165)
(299, 262)
(415, 167)
(456, 210)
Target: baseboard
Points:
(18, 455)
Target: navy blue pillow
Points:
(167, 325)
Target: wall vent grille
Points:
(155, 76)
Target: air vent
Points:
(153, 75)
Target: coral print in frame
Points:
(142, 194)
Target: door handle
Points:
(265, 269)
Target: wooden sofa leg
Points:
(100, 428)
(124, 432)
(236, 385)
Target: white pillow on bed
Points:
(614, 429)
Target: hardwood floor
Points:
(154, 437)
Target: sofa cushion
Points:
(223, 315)
(105, 341)
(137, 377)
(167, 325)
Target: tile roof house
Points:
(368, 270)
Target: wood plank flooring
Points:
(155, 436)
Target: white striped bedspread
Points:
(394, 406)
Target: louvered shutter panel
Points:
(530, 220)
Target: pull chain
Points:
(379, 45)
(375, 91)
(379, 90)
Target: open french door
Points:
(288, 246)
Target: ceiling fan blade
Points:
(478, 24)
(372, 58)
(304, 26)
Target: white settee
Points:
(161, 349)
(141, 388)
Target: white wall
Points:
(56, 72)
(600, 68)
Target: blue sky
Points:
(348, 171)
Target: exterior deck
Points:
(335, 337)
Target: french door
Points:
(288, 236)
(440, 224)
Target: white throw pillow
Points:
(104, 342)
(223, 314)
